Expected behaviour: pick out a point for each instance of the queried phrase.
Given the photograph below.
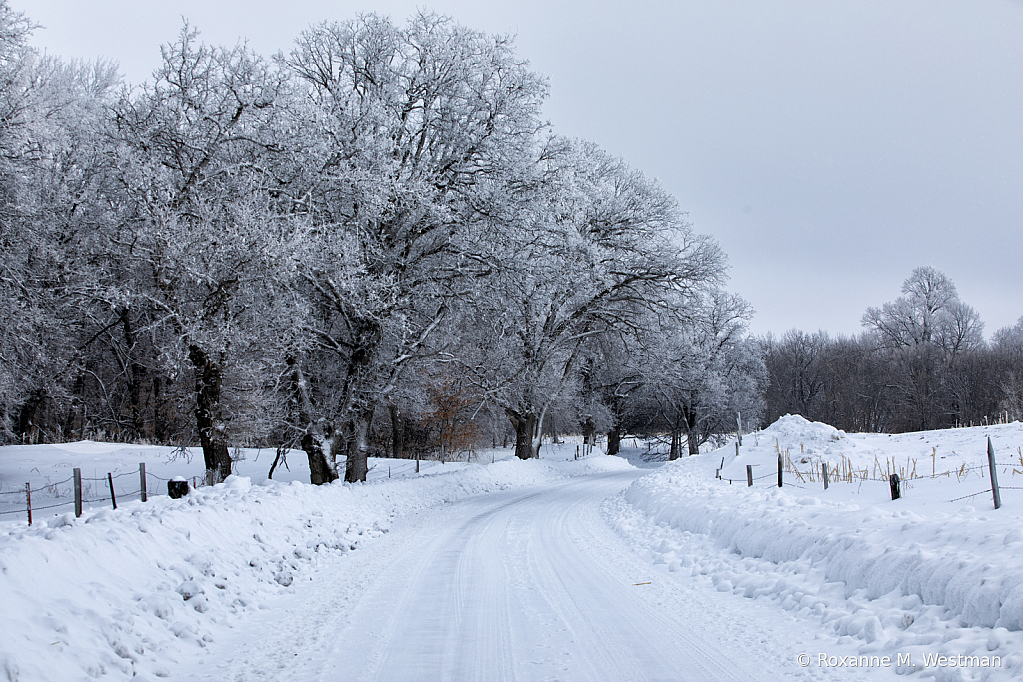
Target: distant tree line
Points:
(921, 363)
(371, 243)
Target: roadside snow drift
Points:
(118, 594)
(923, 575)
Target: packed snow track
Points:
(520, 585)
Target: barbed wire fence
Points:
(76, 491)
(896, 476)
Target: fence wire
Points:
(961, 472)
(973, 495)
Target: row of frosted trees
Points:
(375, 227)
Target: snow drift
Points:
(119, 593)
(920, 574)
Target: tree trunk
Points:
(614, 441)
(321, 469)
(588, 431)
(397, 432)
(75, 422)
(159, 422)
(692, 439)
(208, 413)
(538, 434)
(26, 427)
(527, 441)
(316, 445)
(357, 464)
(676, 445)
(134, 376)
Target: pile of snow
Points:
(792, 428)
(925, 574)
(120, 593)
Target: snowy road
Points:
(520, 585)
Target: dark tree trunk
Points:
(614, 441)
(136, 375)
(26, 427)
(526, 444)
(314, 443)
(357, 464)
(75, 420)
(676, 445)
(588, 430)
(159, 422)
(397, 432)
(692, 437)
(320, 469)
(208, 415)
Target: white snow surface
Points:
(125, 593)
(547, 570)
(925, 574)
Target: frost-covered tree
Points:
(51, 179)
(412, 135)
(595, 246)
(927, 329)
(706, 372)
(202, 230)
(928, 315)
(1007, 348)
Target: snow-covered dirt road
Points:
(550, 569)
(526, 584)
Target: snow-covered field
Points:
(140, 591)
(48, 470)
(938, 572)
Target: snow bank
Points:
(909, 576)
(118, 593)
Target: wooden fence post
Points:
(28, 502)
(779, 470)
(736, 448)
(894, 483)
(749, 475)
(994, 474)
(142, 478)
(824, 473)
(78, 492)
(110, 480)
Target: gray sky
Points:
(829, 146)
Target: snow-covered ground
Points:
(938, 572)
(192, 588)
(126, 593)
(48, 469)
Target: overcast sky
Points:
(829, 146)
